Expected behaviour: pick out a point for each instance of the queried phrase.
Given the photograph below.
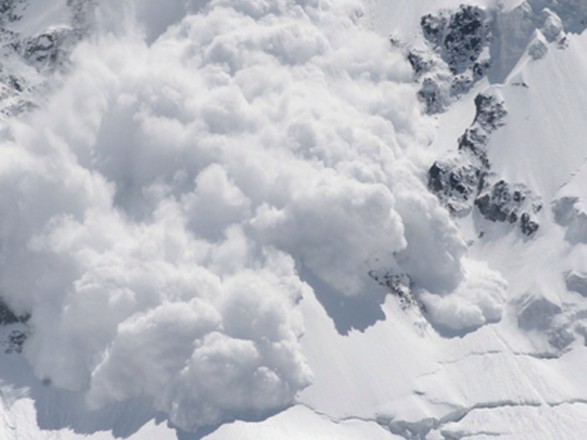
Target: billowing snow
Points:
(218, 225)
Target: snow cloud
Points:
(155, 211)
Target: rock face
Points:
(458, 180)
(29, 59)
(459, 37)
(469, 43)
(465, 181)
(489, 116)
(10, 11)
(458, 40)
(455, 183)
(503, 202)
(45, 51)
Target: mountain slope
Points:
(293, 219)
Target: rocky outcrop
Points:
(458, 180)
(459, 37)
(456, 183)
(490, 113)
(399, 284)
(10, 11)
(48, 49)
(466, 180)
(15, 342)
(503, 202)
(458, 40)
(469, 43)
(30, 59)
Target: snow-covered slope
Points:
(293, 219)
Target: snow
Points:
(206, 216)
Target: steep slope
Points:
(294, 219)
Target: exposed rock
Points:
(459, 37)
(16, 340)
(419, 63)
(490, 113)
(467, 34)
(474, 141)
(10, 11)
(501, 203)
(399, 285)
(504, 202)
(527, 225)
(462, 181)
(433, 96)
(455, 183)
(433, 27)
(46, 50)
(460, 85)
(480, 68)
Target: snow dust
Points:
(155, 212)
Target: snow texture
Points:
(239, 216)
(158, 209)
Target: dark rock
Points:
(419, 64)
(15, 83)
(467, 34)
(489, 112)
(433, 27)
(489, 116)
(504, 202)
(9, 11)
(480, 68)
(475, 141)
(432, 95)
(527, 225)
(47, 49)
(461, 84)
(455, 184)
(399, 285)
(459, 37)
(16, 340)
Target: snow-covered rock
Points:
(257, 220)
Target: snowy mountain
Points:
(293, 219)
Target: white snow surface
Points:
(199, 217)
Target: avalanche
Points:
(293, 219)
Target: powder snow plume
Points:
(157, 210)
